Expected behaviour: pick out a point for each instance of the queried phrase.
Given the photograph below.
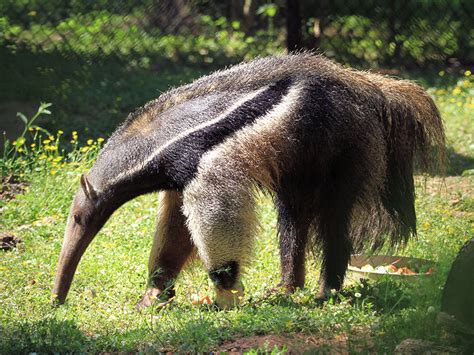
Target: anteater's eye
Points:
(77, 219)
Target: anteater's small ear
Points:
(88, 189)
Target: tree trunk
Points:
(293, 26)
(319, 24)
(236, 10)
(394, 26)
(249, 10)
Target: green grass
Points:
(99, 315)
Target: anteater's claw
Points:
(152, 298)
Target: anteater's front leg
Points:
(171, 249)
(221, 219)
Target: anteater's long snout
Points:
(76, 240)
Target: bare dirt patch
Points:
(10, 186)
(450, 186)
(8, 241)
(301, 343)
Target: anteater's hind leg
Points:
(221, 218)
(334, 221)
(171, 249)
(293, 224)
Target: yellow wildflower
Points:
(54, 172)
(60, 132)
(467, 73)
(30, 129)
(441, 73)
(84, 149)
(456, 90)
(100, 139)
(90, 141)
(32, 145)
(51, 138)
(20, 150)
(46, 141)
(58, 159)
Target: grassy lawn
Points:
(100, 316)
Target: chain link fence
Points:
(372, 33)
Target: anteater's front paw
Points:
(155, 297)
(325, 293)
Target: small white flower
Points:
(357, 295)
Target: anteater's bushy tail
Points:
(415, 140)
(411, 108)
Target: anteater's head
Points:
(89, 212)
(123, 171)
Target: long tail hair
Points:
(415, 140)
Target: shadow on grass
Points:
(90, 94)
(458, 163)
(64, 336)
(431, 77)
(44, 336)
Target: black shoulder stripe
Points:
(180, 160)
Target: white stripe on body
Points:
(269, 122)
(219, 201)
(184, 134)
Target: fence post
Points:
(319, 23)
(293, 26)
(394, 26)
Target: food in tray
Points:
(392, 269)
